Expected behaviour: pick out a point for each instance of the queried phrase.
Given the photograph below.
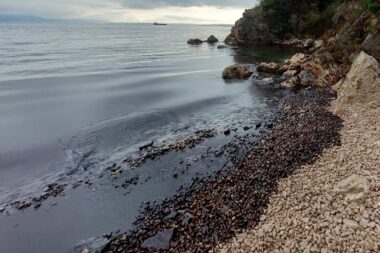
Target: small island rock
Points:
(212, 39)
(194, 41)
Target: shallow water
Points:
(84, 96)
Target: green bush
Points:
(298, 16)
(373, 6)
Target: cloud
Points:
(152, 4)
(171, 11)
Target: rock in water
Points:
(237, 71)
(212, 39)
(353, 187)
(362, 83)
(160, 241)
(221, 46)
(194, 41)
(93, 245)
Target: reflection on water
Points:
(263, 53)
(75, 95)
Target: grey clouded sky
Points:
(182, 11)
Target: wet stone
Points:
(227, 132)
(92, 245)
(160, 241)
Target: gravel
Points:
(332, 205)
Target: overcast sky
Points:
(170, 11)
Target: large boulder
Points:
(250, 30)
(194, 41)
(212, 39)
(362, 83)
(237, 71)
(271, 68)
(296, 61)
(371, 45)
(356, 31)
(291, 83)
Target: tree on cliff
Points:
(295, 16)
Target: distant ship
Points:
(155, 23)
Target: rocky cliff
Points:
(349, 22)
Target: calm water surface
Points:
(87, 95)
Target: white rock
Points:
(351, 224)
(362, 83)
(364, 223)
(353, 187)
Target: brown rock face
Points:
(250, 31)
(362, 83)
(237, 71)
(371, 45)
(346, 14)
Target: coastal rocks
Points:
(212, 39)
(308, 44)
(307, 78)
(291, 83)
(306, 70)
(295, 62)
(221, 46)
(353, 187)
(318, 44)
(237, 71)
(371, 45)
(151, 152)
(53, 190)
(296, 43)
(289, 74)
(362, 83)
(272, 68)
(305, 45)
(194, 41)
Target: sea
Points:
(75, 98)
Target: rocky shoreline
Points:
(211, 212)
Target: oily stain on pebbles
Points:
(211, 212)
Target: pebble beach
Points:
(332, 205)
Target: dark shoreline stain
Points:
(211, 212)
